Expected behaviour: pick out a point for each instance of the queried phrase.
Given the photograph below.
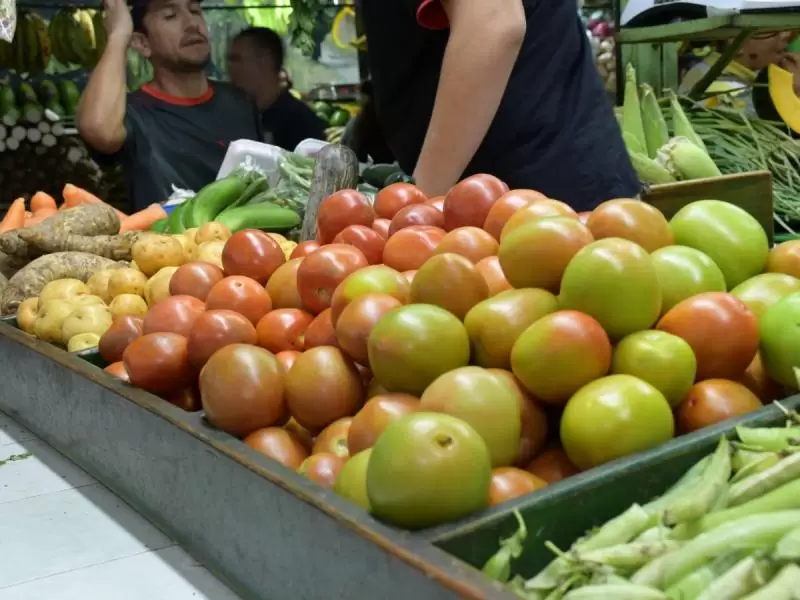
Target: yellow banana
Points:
(45, 48)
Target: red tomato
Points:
(122, 332)
(469, 201)
(583, 217)
(631, 220)
(323, 270)
(304, 249)
(343, 208)
(187, 399)
(216, 329)
(375, 416)
(322, 469)
(320, 332)
(333, 439)
(240, 294)
(176, 314)
(117, 369)
(756, 380)
(195, 279)
(713, 401)
(252, 253)
(492, 272)
(158, 362)
(721, 330)
(282, 285)
(283, 329)
(535, 210)
(392, 198)
(552, 465)
(509, 483)
(416, 214)
(507, 205)
(287, 358)
(437, 202)
(409, 248)
(409, 275)
(357, 320)
(472, 243)
(382, 227)
(366, 239)
(279, 444)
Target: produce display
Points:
(728, 529)
(600, 28)
(412, 338)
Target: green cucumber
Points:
(175, 219)
(259, 216)
(213, 199)
(160, 226)
(376, 175)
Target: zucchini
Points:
(336, 168)
(376, 175)
(268, 217)
(213, 199)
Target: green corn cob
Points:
(632, 114)
(648, 170)
(686, 161)
(680, 123)
(655, 126)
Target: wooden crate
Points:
(749, 191)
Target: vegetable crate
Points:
(563, 512)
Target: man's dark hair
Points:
(138, 11)
(266, 40)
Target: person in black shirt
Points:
(174, 130)
(255, 64)
(507, 87)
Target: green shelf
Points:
(711, 28)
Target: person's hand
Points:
(119, 23)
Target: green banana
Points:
(213, 199)
(268, 217)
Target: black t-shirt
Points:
(289, 121)
(554, 131)
(179, 141)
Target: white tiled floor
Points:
(64, 535)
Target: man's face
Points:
(251, 69)
(176, 35)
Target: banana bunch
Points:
(31, 49)
(657, 157)
(78, 36)
(139, 70)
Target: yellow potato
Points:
(288, 247)
(63, 289)
(127, 304)
(211, 232)
(98, 284)
(154, 252)
(26, 314)
(87, 299)
(125, 281)
(50, 318)
(189, 247)
(157, 287)
(134, 266)
(211, 252)
(277, 237)
(83, 341)
(190, 234)
(91, 318)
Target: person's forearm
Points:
(475, 72)
(101, 112)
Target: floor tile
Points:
(58, 532)
(39, 469)
(168, 574)
(11, 432)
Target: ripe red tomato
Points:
(117, 369)
(492, 272)
(631, 220)
(756, 380)
(333, 439)
(322, 469)
(469, 201)
(341, 209)
(553, 465)
(195, 278)
(323, 270)
(437, 202)
(158, 362)
(216, 329)
(366, 239)
(282, 285)
(507, 205)
(473, 243)
(176, 314)
(283, 329)
(376, 415)
(416, 214)
(304, 249)
(409, 275)
(242, 388)
(721, 330)
(187, 399)
(287, 358)
(392, 198)
(240, 294)
(583, 217)
(509, 483)
(122, 332)
(279, 444)
(320, 332)
(252, 253)
(382, 227)
(409, 248)
(357, 320)
(713, 401)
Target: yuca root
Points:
(115, 247)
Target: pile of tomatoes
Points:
(546, 341)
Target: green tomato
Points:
(765, 290)
(779, 342)
(684, 272)
(352, 480)
(663, 360)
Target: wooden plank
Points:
(749, 191)
(261, 528)
(712, 28)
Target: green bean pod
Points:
(784, 586)
(772, 439)
(788, 548)
(783, 472)
(746, 576)
(627, 556)
(786, 497)
(696, 582)
(617, 591)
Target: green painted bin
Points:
(564, 511)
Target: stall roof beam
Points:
(711, 28)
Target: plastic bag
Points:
(178, 195)
(8, 20)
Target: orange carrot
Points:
(75, 196)
(15, 216)
(42, 200)
(40, 215)
(144, 219)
